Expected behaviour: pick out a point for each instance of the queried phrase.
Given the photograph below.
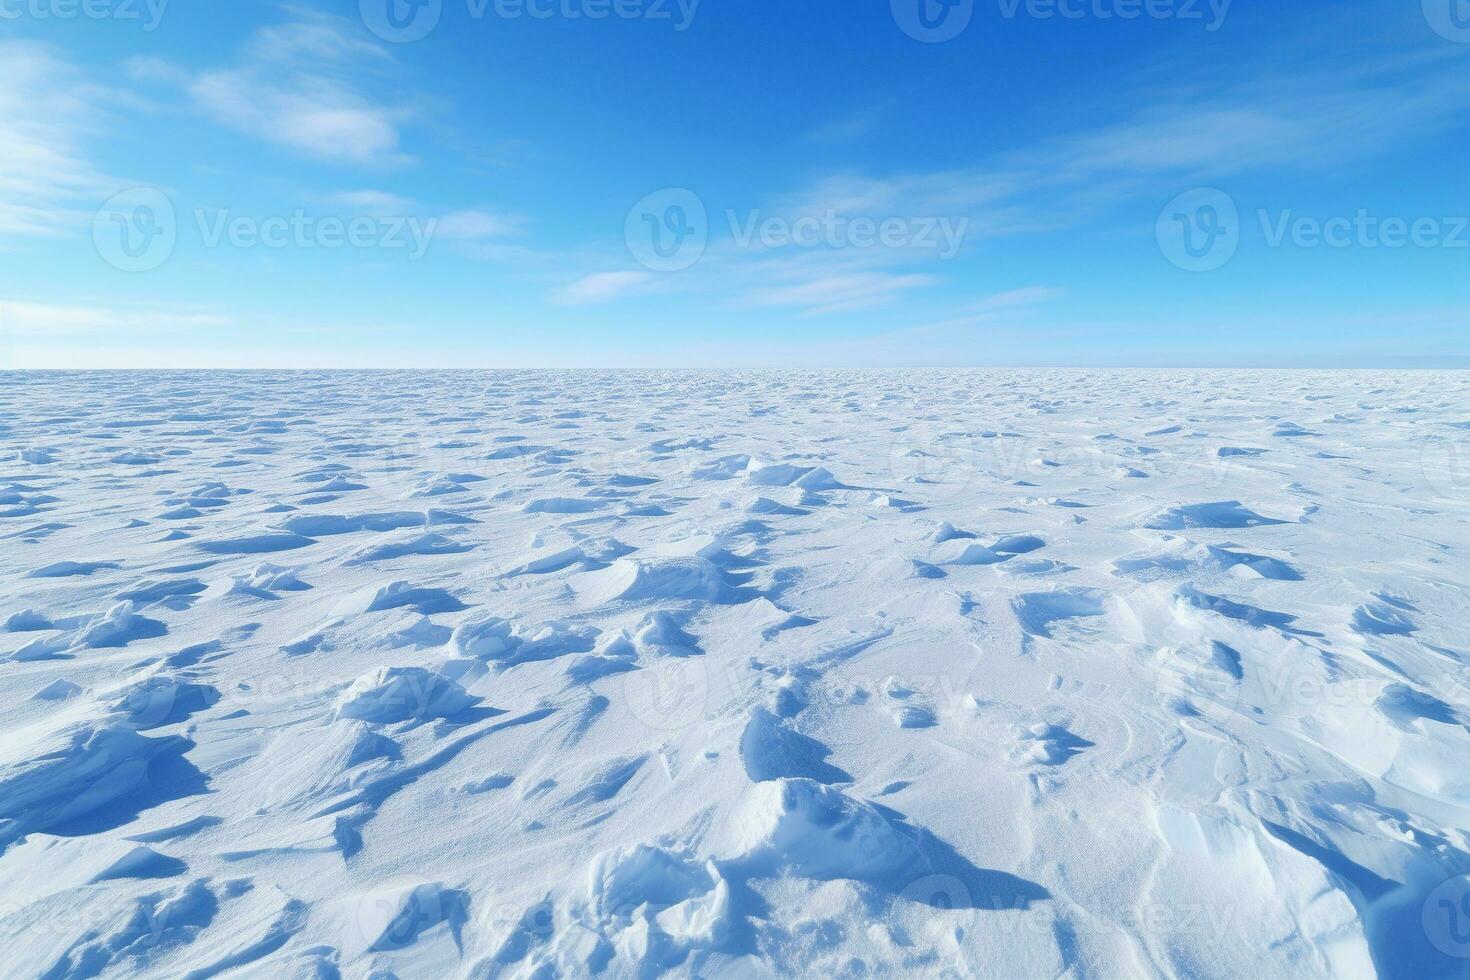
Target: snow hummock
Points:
(395, 694)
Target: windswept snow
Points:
(537, 674)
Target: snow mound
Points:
(1037, 612)
(650, 580)
(816, 831)
(771, 750)
(312, 773)
(88, 768)
(395, 694)
(118, 627)
(1221, 514)
(496, 640)
(397, 914)
(790, 475)
(159, 700)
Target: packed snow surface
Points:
(536, 674)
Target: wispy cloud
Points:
(1000, 310)
(304, 85)
(1305, 122)
(372, 202)
(1308, 123)
(845, 129)
(315, 116)
(1015, 299)
(53, 319)
(602, 287)
(1094, 174)
(468, 227)
(48, 111)
(472, 226)
(311, 34)
(840, 294)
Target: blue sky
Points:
(831, 182)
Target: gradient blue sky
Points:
(523, 142)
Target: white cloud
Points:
(1183, 139)
(1308, 123)
(840, 294)
(602, 287)
(145, 68)
(849, 128)
(1017, 299)
(51, 319)
(372, 202)
(470, 227)
(474, 225)
(47, 111)
(304, 85)
(311, 34)
(1016, 307)
(318, 117)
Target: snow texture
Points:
(538, 674)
